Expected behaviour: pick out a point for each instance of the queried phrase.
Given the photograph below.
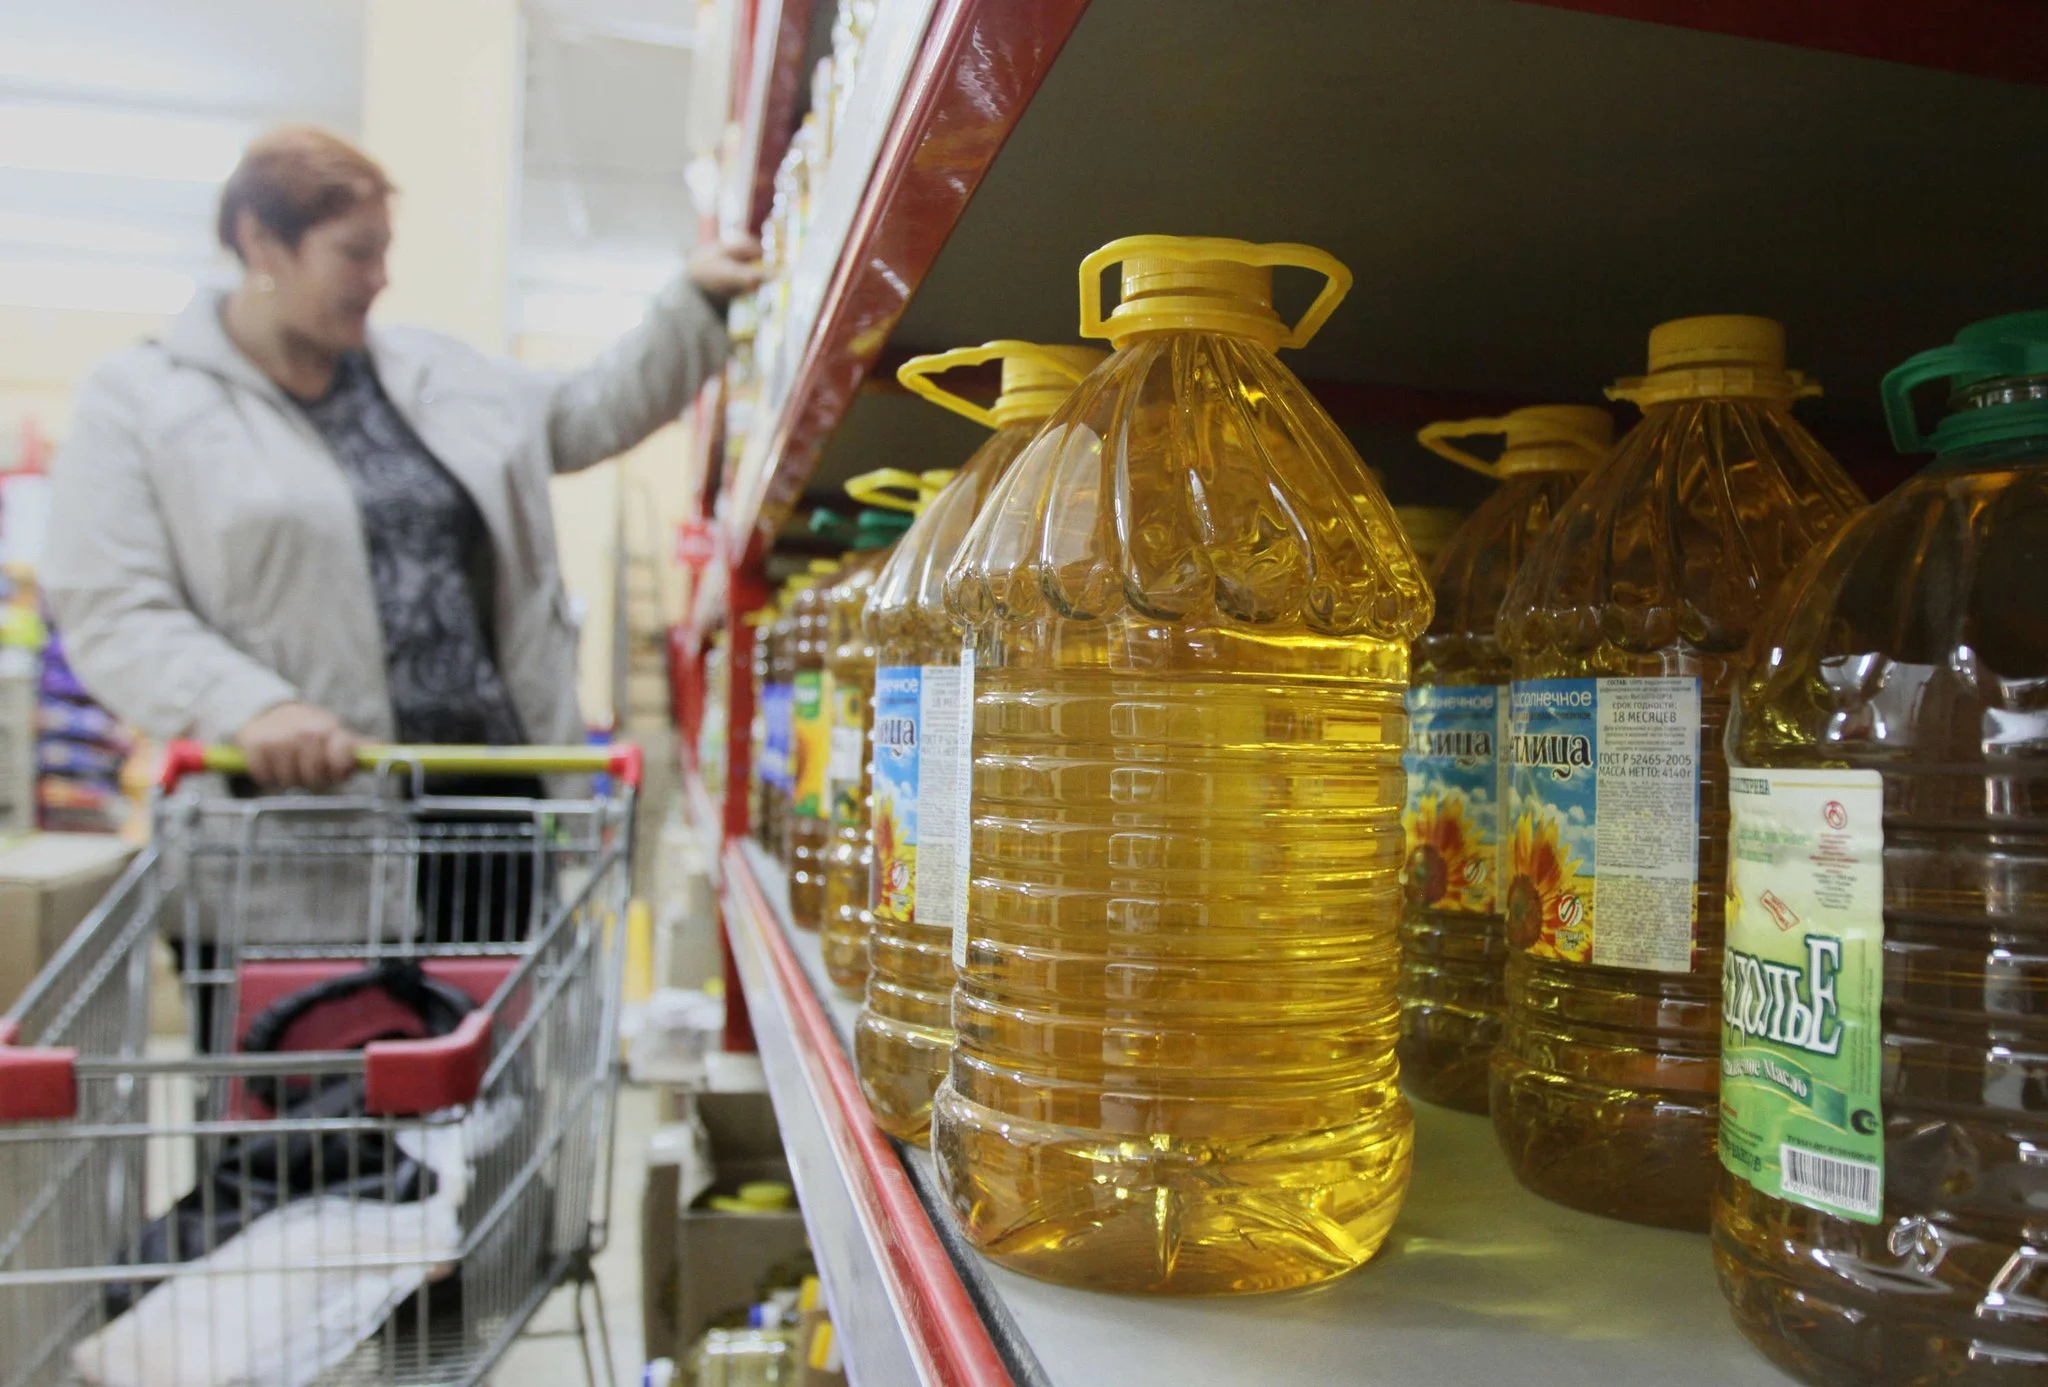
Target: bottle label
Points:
(809, 744)
(1604, 796)
(1802, 1045)
(775, 699)
(941, 885)
(849, 752)
(893, 798)
(1455, 789)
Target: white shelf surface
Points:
(1481, 1281)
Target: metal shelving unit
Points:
(1522, 187)
(1481, 1282)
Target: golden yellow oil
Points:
(905, 1031)
(849, 852)
(1191, 611)
(806, 825)
(1452, 988)
(1604, 1088)
(1917, 646)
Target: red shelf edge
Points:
(978, 66)
(946, 1332)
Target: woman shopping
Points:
(281, 527)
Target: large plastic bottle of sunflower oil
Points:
(760, 779)
(1882, 1216)
(1453, 950)
(1190, 612)
(1625, 627)
(808, 823)
(889, 499)
(779, 636)
(905, 1031)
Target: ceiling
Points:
(1521, 192)
(146, 103)
(134, 110)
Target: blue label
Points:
(898, 695)
(777, 706)
(1452, 819)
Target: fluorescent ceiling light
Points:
(50, 137)
(93, 288)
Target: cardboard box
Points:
(695, 1262)
(49, 882)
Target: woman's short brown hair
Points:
(295, 178)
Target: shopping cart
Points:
(246, 1209)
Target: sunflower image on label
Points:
(809, 744)
(1802, 1050)
(1602, 857)
(1452, 819)
(893, 797)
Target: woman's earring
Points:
(264, 284)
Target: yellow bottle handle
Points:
(1336, 274)
(1433, 438)
(888, 488)
(916, 374)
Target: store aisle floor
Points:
(548, 1356)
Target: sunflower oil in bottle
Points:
(1882, 1214)
(808, 822)
(905, 1031)
(1453, 948)
(758, 782)
(850, 692)
(1190, 613)
(1625, 627)
(775, 729)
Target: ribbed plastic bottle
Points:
(1190, 613)
(1453, 948)
(1625, 627)
(759, 779)
(779, 636)
(1882, 1216)
(850, 690)
(905, 1031)
(808, 822)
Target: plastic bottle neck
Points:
(1998, 454)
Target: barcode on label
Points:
(1853, 1185)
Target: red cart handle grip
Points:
(620, 760)
(36, 1085)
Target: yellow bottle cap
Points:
(892, 488)
(767, 1194)
(1537, 438)
(1720, 355)
(809, 1294)
(1205, 284)
(1037, 378)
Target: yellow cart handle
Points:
(621, 760)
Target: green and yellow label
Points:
(810, 743)
(1802, 1054)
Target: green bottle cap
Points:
(1997, 374)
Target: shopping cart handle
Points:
(620, 760)
(35, 1085)
(404, 1078)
